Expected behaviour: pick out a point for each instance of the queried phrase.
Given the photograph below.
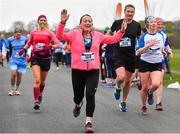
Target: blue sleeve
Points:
(0, 45)
(141, 42)
(6, 43)
(166, 42)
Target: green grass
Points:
(175, 66)
(175, 78)
(175, 60)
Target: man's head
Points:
(129, 12)
(17, 33)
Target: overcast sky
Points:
(102, 11)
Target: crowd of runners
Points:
(121, 54)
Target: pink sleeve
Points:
(30, 40)
(54, 38)
(108, 39)
(61, 35)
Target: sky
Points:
(102, 11)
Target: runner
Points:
(159, 92)
(3, 48)
(124, 54)
(17, 63)
(58, 56)
(151, 49)
(41, 56)
(85, 65)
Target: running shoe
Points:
(17, 92)
(143, 111)
(150, 98)
(77, 110)
(11, 92)
(123, 107)
(57, 68)
(159, 107)
(89, 128)
(40, 99)
(36, 106)
(117, 94)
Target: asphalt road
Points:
(55, 116)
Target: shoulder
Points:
(118, 21)
(24, 37)
(144, 35)
(136, 23)
(10, 38)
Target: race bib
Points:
(40, 46)
(125, 42)
(87, 57)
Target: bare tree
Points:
(32, 25)
(17, 24)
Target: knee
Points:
(156, 85)
(120, 77)
(144, 87)
(90, 97)
(13, 75)
(127, 82)
(37, 82)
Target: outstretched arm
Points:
(60, 29)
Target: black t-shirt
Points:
(128, 42)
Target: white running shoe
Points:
(11, 92)
(17, 92)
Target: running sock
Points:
(17, 87)
(42, 87)
(12, 86)
(36, 93)
(89, 119)
(1, 63)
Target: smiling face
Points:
(151, 23)
(42, 22)
(160, 24)
(129, 13)
(86, 23)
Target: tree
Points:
(17, 24)
(32, 25)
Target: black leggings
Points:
(88, 79)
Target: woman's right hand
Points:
(64, 16)
(153, 42)
(123, 26)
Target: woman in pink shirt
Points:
(41, 56)
(85, 44)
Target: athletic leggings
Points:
(88, 79)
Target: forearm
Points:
(142, 50)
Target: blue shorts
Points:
(19, 65)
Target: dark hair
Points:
(17, 30)
(128, 5)
(84, 16)
(42, 16)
